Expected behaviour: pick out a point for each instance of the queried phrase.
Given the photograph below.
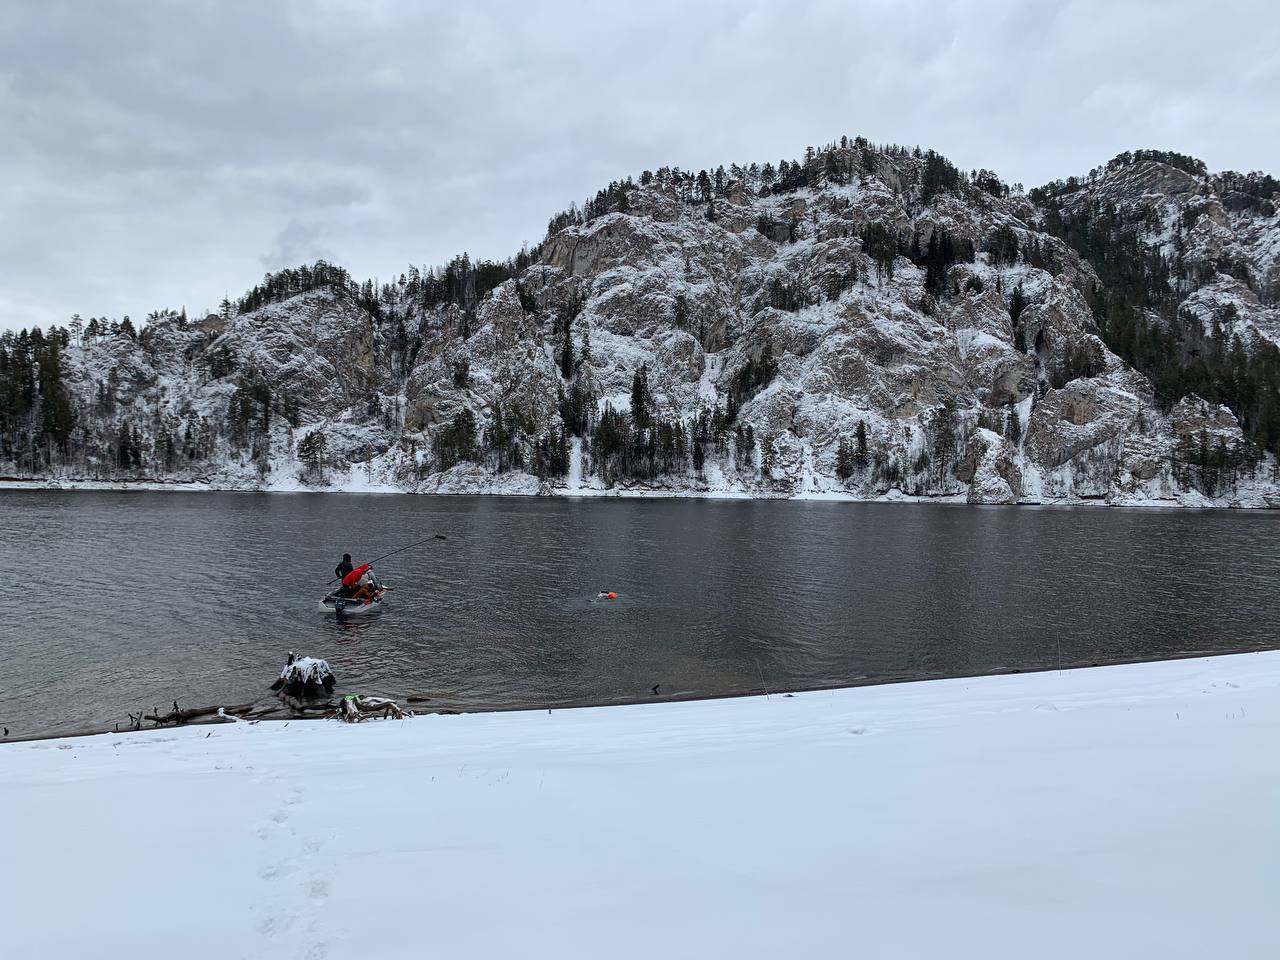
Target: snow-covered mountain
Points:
(866, 322)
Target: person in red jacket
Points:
(359, 582)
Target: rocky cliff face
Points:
(875, 325)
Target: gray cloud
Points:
(154, 151)
(299, 242)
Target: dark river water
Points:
(119, 601)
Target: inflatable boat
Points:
(341, 606)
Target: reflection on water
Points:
(350, 630)
(201, 596)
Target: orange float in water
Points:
(611, 595)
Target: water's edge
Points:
(426, 706)
(158, 485)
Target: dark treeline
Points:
(1044, 195)
(43, 424)
(1254, 192)
(461, 282)
(625, 446)
(396, 308)
(294, 281)
(838, 162)
(37, 417)
(935, 256)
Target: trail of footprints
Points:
(300, 865)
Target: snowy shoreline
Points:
(437, 706)
(1191, 501)
(1127, 809)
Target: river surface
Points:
(122, 601)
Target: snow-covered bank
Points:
(1117, 811)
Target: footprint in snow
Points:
(273, 870)
(271, 925)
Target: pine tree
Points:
(124, 447)
(860, 447)
(641, 400)
(313, 450)
(944, 438)
(292, 408)
(500, 435)
(1014, 430)
(57, 417)
(681, 318)
(566, 355)
(844, 460)
(704, 187)
(1017, 303)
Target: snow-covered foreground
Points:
(1120, 811)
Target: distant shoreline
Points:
(155, 485)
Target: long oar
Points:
(434, 536)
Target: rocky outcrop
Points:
(990, 469)
(1192, 417)
(952, 395)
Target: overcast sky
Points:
(161, 154)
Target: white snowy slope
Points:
(1125, 811)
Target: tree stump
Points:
(307, 677)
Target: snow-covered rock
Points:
(990, 471)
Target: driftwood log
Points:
(353, 709)
(178, 716)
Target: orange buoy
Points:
(611, 595)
